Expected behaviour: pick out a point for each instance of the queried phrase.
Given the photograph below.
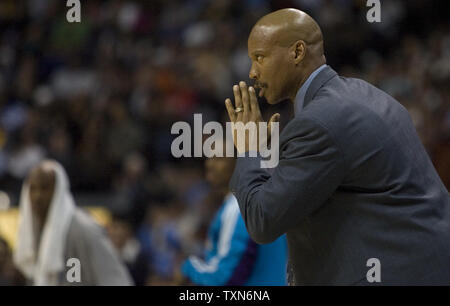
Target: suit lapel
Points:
(324, 76)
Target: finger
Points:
(254, 106)
(274, 118)
(245, 97)
(230, 110)
(237, 96)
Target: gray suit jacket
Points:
(353, 182)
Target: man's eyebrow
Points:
(259, 51)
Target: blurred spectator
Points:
(231, 256)
(53, 231)
(124, 136)
(130, 251)
(131, 194)
(163, 240)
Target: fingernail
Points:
(251, 88)
(235, 87)
(242, 83)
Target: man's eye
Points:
(259, 58)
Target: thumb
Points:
(274, 118)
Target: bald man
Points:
(354, 190)
(57, 243)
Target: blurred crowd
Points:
(100, 96)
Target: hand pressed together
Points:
(245, 117)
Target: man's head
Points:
(42, 181)
(285, 47)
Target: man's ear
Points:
(298, 50)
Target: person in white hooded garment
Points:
(58, 243)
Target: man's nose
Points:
(253, 74)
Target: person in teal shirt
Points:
(231, 257)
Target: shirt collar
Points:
(300, 97)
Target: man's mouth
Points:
(261, 92)
(261, 89)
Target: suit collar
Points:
(300, 97)
(324, 76)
